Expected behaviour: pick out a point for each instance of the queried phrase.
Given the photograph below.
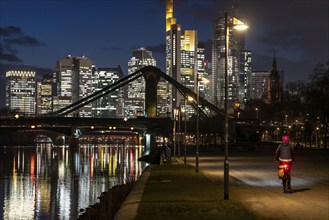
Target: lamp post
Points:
(226, 162)
(239, 25)
(179, 130)
(205, 81)
(175, 138)
(185, 130)
(188, 98)
(197, 125)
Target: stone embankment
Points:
(109, 204)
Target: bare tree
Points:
(317, 95)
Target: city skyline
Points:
(23, 40)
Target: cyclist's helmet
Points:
(285, 139)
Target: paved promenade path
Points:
(254, 182)
(177, 192)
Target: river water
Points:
(56, 182)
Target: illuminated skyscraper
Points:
(244, 72)
(109, 105)
(173, 53)
(184, 60)
(73, 79)
(135, 100)
(189, 65)
(21, 91)
(257, 85)
(235, 45)
(189, 61)
(203, 71)
(62, 78)
(44, 95)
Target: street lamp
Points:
(238, 25)
(190, 99)
(197, 125)
(184, 110)
(179, 131)
(316, 136)
(176, 112)
(205, 81)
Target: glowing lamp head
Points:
(239, 25)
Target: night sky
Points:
(38, 33)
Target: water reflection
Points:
(47, 182)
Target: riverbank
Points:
(176, 191)
(173, 191)
(109, 204)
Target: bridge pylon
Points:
(152, 77)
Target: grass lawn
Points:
(178, 192)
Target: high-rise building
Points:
(235, 46)
(73, 81)
(45, 95)
(173, 54)
(109, 105)
(203, 73)
(184, 59)
(244, 72)
(266, 85)
(62, 79)
(257, 85)
(21, 91)
(135, 100)
(190, 58)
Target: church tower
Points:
(275, 88)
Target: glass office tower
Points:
(21, 92)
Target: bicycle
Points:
(284, 174)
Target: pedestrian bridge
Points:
(60, 121)
(152, 76)
(15, 130)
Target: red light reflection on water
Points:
(32, 174)
(54, 182)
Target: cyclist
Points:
(285, 154)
